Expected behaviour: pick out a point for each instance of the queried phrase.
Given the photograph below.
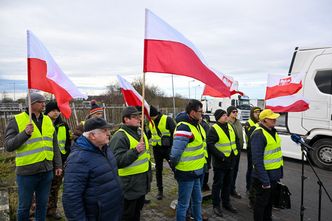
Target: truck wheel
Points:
(322, 153)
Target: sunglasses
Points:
(234, 111)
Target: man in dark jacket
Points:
(222, 143)
(249, 127)
(131, 151)
(188, 159)
(267, 164)
(63, 134)
(37, 154)
(160, 127)
(92, 189)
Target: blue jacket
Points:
(92, 189)
(179, 144)
(258, 144)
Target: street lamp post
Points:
(195, 89)
(189, 87)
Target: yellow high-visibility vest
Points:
(193, 157)
(272, 152)
(141, 164)
(155, 138)
(224, 144)
(39, 146)
(62, 137)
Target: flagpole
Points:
(75, 114)
(173, 96)
(143, 107)
(28, 66)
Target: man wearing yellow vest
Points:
(267, 163)
(161, 129)
(64, 142)
(222, 143)
(187, 159)
(133, 160)
(37, 152)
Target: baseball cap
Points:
(96, 123)
(131, 110)
(267, 113)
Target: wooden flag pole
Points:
(28, 66)
(75, 114)
(29, 106)
(143, 97)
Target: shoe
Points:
(146, 201)
(56, 215)
(204, 216)
(236, 195)
(230, 208)
(160, 195)
(218, 211)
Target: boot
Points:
(160, 195)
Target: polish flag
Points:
(282, 94)
(131, 96)
(209, 91)
(44, 74)
(168, 51)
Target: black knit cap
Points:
(52, 105)
(153, 111)
(96, 123)
(218, 113)
(230, 109)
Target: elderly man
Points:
(267, 163)
(133, 159)
(92, 189)
(37, 151)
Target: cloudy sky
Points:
(93, 41)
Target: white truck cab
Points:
(315, 124)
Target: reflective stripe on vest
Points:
(39, 146)
(272, 152)
(193, 157)
(224, 144)
(62, 137)
(155, 138)
(141, 164)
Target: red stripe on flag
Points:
(176, 58)
(282, 90)
(298, 106)
(132, 100)
(37, 79)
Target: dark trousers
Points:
(160, 153)
(132, 209)
(249, 168)
(221, 187)
(54, 194)
(235, 171)
(263, 202)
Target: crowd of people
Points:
(106, 177)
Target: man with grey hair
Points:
(37, 152)
(92, 189)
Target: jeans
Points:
(189, 190)
(221, 187)
(235, 171)
(39, 184)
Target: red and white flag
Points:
(131, 96)
(282, 93)
(44, 74)
(168, 51)
(209, 91)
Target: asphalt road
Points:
(292, 178)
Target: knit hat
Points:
(218, 113)
(52, 105)
(230, 109)
(96, 123)
(35, 97)
(95, 108)
(153, 111)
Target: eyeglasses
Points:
(234, 111)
